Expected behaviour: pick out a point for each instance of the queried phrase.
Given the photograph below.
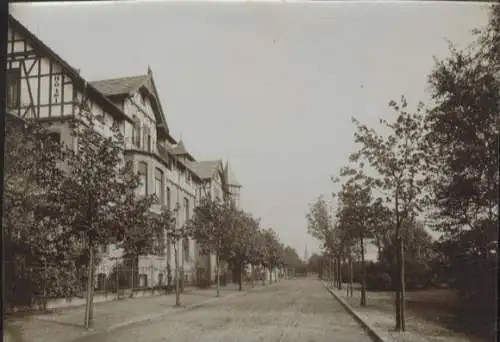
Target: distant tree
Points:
(315, 264)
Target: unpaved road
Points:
(298, 310)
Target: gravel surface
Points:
(298, 310)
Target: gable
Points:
(48, 86)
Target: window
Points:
(147, 138)
(136, 133)
(169, 199)
(13, 88)
(159, 189)
(186, 208)
(185, 247)
(143, 176)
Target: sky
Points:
(269, 85)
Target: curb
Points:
(369, 329)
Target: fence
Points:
(42, 285)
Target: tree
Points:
(141, 233)
(354, 218)
(92, 196)
(320, 226)
(398, 161)
(272, 248)
(314, 264)
(32, 172)
(462, 155)
(165, 224)
(238, 242)
(208, 224)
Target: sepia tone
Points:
(114, 230)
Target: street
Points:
(293, 310)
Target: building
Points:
(42, 86)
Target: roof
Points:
(179, 148)
(125, 86)
(80, 83)
(206, 169)
(120, 86)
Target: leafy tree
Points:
(353, 216)
(272, 248)
(164, 224)
(208, 224)
(238, 241)
(462, 160)
(398, 160)
(31, 174)
(141, 233)
(462, 140)
(314, 264)
(92, 196)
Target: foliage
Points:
(38, 264)
(462, 161)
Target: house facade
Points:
(42, 86)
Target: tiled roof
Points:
(206, 169)
(121, 86)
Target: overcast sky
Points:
(271, 86)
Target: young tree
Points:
(92, 195)
(353, 216)
(398, 160)
(272, 248)
(141, 234)
(209, 223)
(238, 242)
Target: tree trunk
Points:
(270, 276)
(253, 276)
(217, 272)
(132, 275)
(90, 283)
(177, 289)
(351, 277)
(264, 275)
(240, 278)
(402, 257)
(341, 260)
(363, 273)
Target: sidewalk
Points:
(67, 324)
(379, 315)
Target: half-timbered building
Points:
(42, 86)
